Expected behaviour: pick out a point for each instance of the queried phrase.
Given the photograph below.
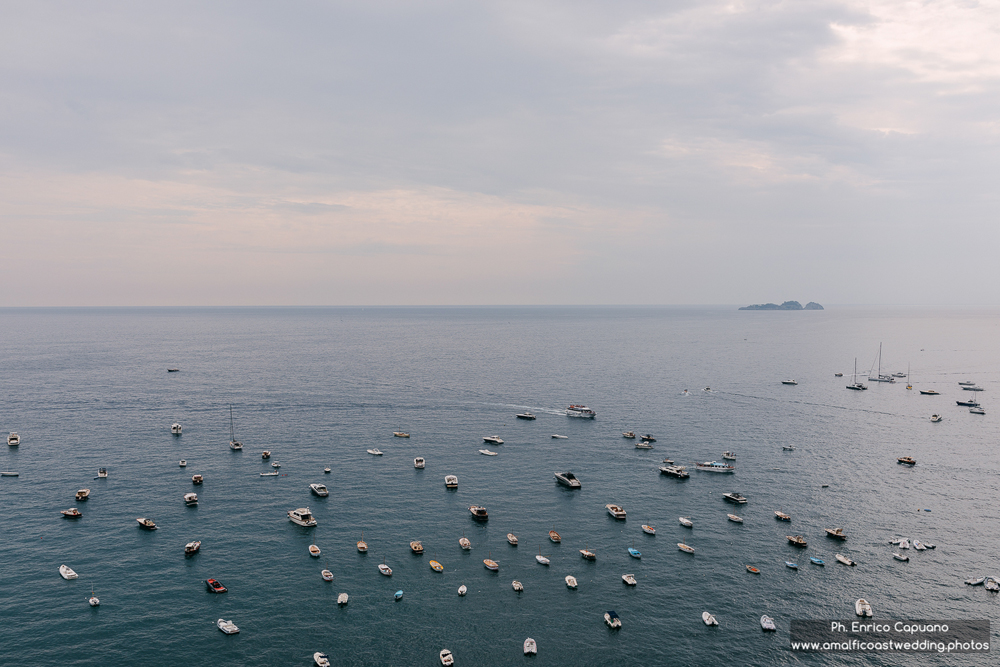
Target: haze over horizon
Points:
(389, 153)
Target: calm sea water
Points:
(89, 388)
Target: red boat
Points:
(215, 586)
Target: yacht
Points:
(175, 429)
(643, 444)
(486, 452)
(491, 565)
(836, 532)
(418, 463)
(629, 435)
(930, 392)
(767, 623)
(375, 452)
(314, 551)
(611, 618)
(182, 463)
(708, 618)
(647, 438)
(83, 494)
(342, 599)
(967, 383)
(196, 479)
(715, 466)
(362, 545)
(734, 518)
(935, 418)
(479, 513)
(971, 403)
(735, 498)
(972, 388)
(675, 471)
(554, 536)
(102, 473)
(321, 659)
(146, 524)
(234, 444)
(862, 608)
(320, 490)
(215, 586)
(13, 439)
(729, 456)
(907, 460)
(615, 510)
(493, 439)
(556, 436)
(844, 559)
(629, 579)
(526, 415)
(685, 548)
(781, 516)
(190, 499)
(436, 566)
(446, 657)
(796, 540)
(568, 479)
(880, 376)
(464, 543)
(512, 539)
(71, 513)
(855, 385)
(517, 585)
(789, 382)
(686, 522)
(192, 547)
(273, 473)
(580, 411)
(416, 547)
(451, 481)
(530, 646)
(400, 434)
(227, 626)
(570, 581)
(302, 517)
(977, 411)
(265, 455)
(649, 530)
(587, 554)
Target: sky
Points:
(432, 153)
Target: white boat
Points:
(400, 434)
(967, 383)
(492, 439)
(788, 448)
(314, 551)
(526, 415)
(479, 513)
(644, 444)
(265, 455)
(992, 584)
(227, 626)
(918, 545)
(976, 582)
(362, 545)
(568, 479)
(611, 618)
(320, 490)
(972, 388)
(451, 481)
(67, 572)
(735, 497)
(936, 418)
(580, 411)
(900, 557)
(302, 517)
(714, 466)
(190, 499)
(556, 436)
(844, 559)
(385, 569)
(512, 539)
(192, 547)
(649, 530)
(175, 429)
(102, 473)
(321, 659)
(83, 494)
(880, 376)
(570, 581)
(275, 465)
(462, 590)
(446, 657)
(904, 544)
(486, 452)
(234, 444)
(540, 558)
(767, 623)
(630, 435)
(273, 473)
(729, 456)
(342, 599)
(686, 522)
(708, 618)
(464, 543)
(146, 524)
(517, 586)
(629, 579)
(183, 463)
(862, 608)
(855, 385)
(781, 516)
(326, 574)
(72, 513)
(13, 439)
(617, 511)
(792, 382)
(588, 554)
(734, 518)
(675, 471)
(685, 548)
(326, 471)
(977, 411)
(197, 479)
(530, 647)
(9, 473)
(375, 452)
(93, 601)
(418, 463)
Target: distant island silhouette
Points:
(788, 305)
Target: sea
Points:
(318, 387)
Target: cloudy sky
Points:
(534, 152)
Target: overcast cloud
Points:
(477, 153)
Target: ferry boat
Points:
(580, 411)
(526, 415)
(451, 481)
(675, 471)
(302, 517)
(479, 513)
(615, 510)
(568, 479)
(715, 466)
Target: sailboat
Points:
(909, 385)
(855, 385)
(234, 444)
(880, 377)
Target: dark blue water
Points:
(89, 388)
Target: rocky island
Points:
(788, 305)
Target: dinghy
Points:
(462, 590)
(634, 553)
(918, 545)
(976, 582)
(767, 623)
(327, 575)
(862, 608)
(649, 530)
(67, 572)
(436, 566)
(375, 452)
(398, 595)
(900, 557)
(314, 551)
(570, 581)
(342, 599)
(530, 647)
(904, 544)
(752, 570)
(227, 626)
(708, 618)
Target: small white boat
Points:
(83, 494)
(767, 623)
(791, 382)
(192, 547)
(649, 530)
(530, 647)
(904, 544)
(900, 557)
(93, 600)
(13, 439)
(227, 626)
(175, 429)
(685, 548)
(644, 444)
(375, 452)
(526, 415)
(9, 473)
(517, 585)
(451, 481)
(464, 543)
(197, 479)
(491, 565)
(321, 659)
(570, 581)
(708, 618)
(734, 518)
(729, 456)
(992, 584)
(788, 448)
(265, 455)
(418, 463)
(71, 513)
(486, 452)
(302, 517)
(918, 545)
(385, 569)
(844, 559)
(326, 471)
(446, 657)
(190, 499)
(686, 522)
(862, 608)
(327, 575)
(977, 410)
(273, 473)
(183, 463)
(611, 618)
(462, 590)
(320, 490)
(67, 572)
(976, 582)
(617, 511)
(540, 558)
(275, 465)
(512, 539)
(493, 439)
(568, 479)
(102, 473)
(146, 524)
(556, 436)
(587, 554)
(935, 418)
(400, 434)
(314, 551)
(629, 579)
(342, 599)
(781, 516)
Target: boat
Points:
(836, 532)
(173, 370)
(880, 377)
(930, 392)
(568, 479)
(556, 436)
(491, 564)
(13, 439)
(967, 383)
(790, 565)
(146, 524)
(446, 657)
(647, 438)
(83, 494)
(234, 444)
(708, 618)
(319, 489)
(326, 471)
(314, 551)
(791, 382)
(734, 497)
(517, 585)
(190, 499)
(855, 385)
(326, 574)
(752, 570)
(796, 540)
(649, 530)
(66, 572)
(175, 429)
(668, 461)
(714, 466)
(587, 554)
(530, 647)
(465, 543)
(838, 375)
(645, 444)
(183, 463)
(615, 510)
(729, 456)
(451, 482)
(862, 608)
(362, 545)
(629, 579)
(611, 618)
(462, 590)
(375, 452)
(633, 552)
(992, 584)
(273, 473)
(935, 418)
(685, 548)
(93, 600)
(788, 448)
(904, 544)
(972, 388)
(686, 522)
(844, 559)
(9, 473)
(901, 557)
(227, 626)
(418, 463)
(918, 545)
(570, 581)
(971, 403)
(512, 539)
(581, 411)
(398, 595)
(767, 623)
(102, 473)
(436, 566)
(734, 518)
(554, 536)
(977, 411)
(321, 659)
(542, 560)
(265, 455)
(479, 513)
(71, 513)
(400, 434)
(675, 471)
(976, 582)
(192, 547)
(215, 586)
(629, 435)
(817, 561)
(384, 569)
(486, 452)
(342, 599)
(302, 517)
(526, 415)
(781, 516)
(416, 547)
(493, 439)
(907, 460)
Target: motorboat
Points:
(668, 461)
(615, 510)
(647, 438)
(83, 494)
(215, 586)
(321, 659)
(530, 646)
(972, 388)
(385, 569)
(649, 530)
(400, 434)
(13, 439)
(375, 452)
(465, 543)
(418, 463)
(192, 547)
(273, 473)
(512, 539)
(446, 657)
(992, 584)
(734, 518)
(570, 581)
(517, 585)
(971, 403)
(904, 543)
(587, 554)
(302, 517)
(436, 566)
(173, 370)
(398, 595)
(9, 473)
(976, 582)
(479, 513)
(907, 460)
(102, 473)
(190, 499)
(320, 490)
(708, 618)
(675, 471)
(685, 548)
(486, 452)
(491, 565)
(71, 513)
(146, 524)
(314, 551)
(781, 516)
(493, 439)
(686, 522)
(175, 429)
(326, 471)
(182, 463)
(342, 599)
(227, 626)
(796, 540)
(568, 479)
(967, 383)
(362, 545)
(788, 448)
(930, 392)
(526, 415)
(816, 560)
(634, 553)
(752, 570)
(196, 479)
(265, 455)
(326, 574)
(629, 579)
(790, 565)
(735, 498)
(645, 444)
(416, 547)
(838, 375)
(611, 618)
(901, 557)
(838, 533)
(234, 444)
(66, 572)
(462, 590)
(729, 456)
(862, 607)
(581, 411)
(844, 559)
(93, 600)
(977, 411)
(556, 436)
(791, 382)
(451, 481)
(935, 418)
(714, 466)
(629, 434)
(554, 536)
(918, 545)
(767, 623)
